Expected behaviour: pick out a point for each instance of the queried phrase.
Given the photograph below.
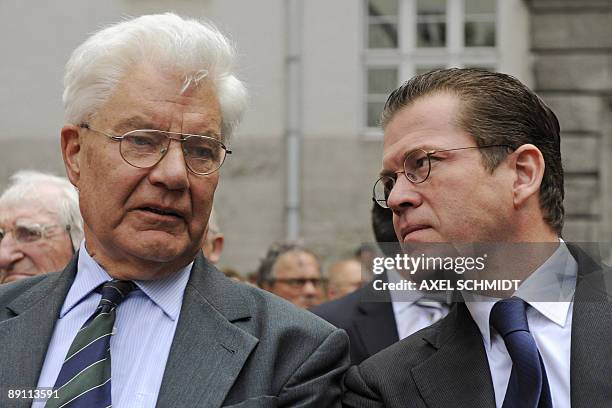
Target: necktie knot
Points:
(509, 316)
(114, 292)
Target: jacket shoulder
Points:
(339, 311)
(278, 315)
(385, 378)
(10, 291)
(305, 353)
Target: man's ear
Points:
(71, 150)
(217, 248)
(528, 164)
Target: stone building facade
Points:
(562, 48)
(572, 50)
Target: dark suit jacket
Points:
(370, 325)
(234, 345)
(445, 365)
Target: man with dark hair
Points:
(472, 156)
(515, 116)
(293, 272)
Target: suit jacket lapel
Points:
(209, 349)
(457, 375)
(35, 313)
(590, 369)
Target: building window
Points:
(380, 81)
(408, 37)
(382, 24)
(431, 23)
(479, 23)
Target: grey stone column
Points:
(572, 50)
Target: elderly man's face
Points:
(297, 278)
(461, 201)
(144, 223)
(50, 253)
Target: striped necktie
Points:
(528, 385)
(85, 377)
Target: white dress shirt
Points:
(144, 329)
(550, 324)
(412, 316)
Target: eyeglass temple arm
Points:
(68, 229)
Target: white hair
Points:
(193, 49)
(55, 193)
(213, 225)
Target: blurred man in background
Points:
(343, 277)
(40, 225)
(292, 272)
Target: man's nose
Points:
(403, 195)
(310, 289)
(9, 252)
(171, 171)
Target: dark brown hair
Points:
(496, 109)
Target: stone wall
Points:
(337, 179)
(572, 48)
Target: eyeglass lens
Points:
(382, 189)
(146, 148)
(23, 233)
(416, 166)
(301, 282)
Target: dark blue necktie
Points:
(85, 378)
(528, 385)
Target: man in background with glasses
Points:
(140, 318)
(40, 225)
(471, 156)
(292, 272)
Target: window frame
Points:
(408, 58)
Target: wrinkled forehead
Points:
(27, 211)
(430, 122)
(296, 264)
(152, 98)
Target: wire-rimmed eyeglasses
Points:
(298, 283)
(416, 168)
(144, 148)
(26, 233)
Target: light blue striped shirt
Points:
(144, 329)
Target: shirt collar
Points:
(401, 299)
(166, 293)
(554, 281)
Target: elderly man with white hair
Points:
(150, 105)
(40, 225)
